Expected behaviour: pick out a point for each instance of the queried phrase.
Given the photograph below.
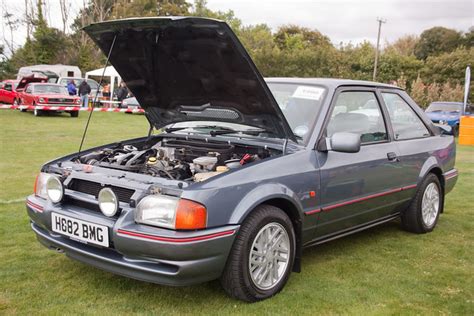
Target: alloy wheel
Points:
(430, 204)
(269, 256)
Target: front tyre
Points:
(37, 112)
(423, 213)
(74, 113)
(262, 256)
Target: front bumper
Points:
(137, 251)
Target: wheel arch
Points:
(434, 168)
(279, 196)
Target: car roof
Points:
(330, 82)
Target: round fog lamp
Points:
(54, 189)
(108, 202)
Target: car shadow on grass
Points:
(113, 285)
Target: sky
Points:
(342, 20)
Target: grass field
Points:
(380, 271)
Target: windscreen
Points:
(50, 89)
(300, 105)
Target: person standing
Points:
(122, 92)
(84, 91)
(71, 88)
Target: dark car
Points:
(247, 172)
(447, 113)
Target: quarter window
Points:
(406, 124)
(358, 112)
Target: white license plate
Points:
(80, 230)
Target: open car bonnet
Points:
(187, 69)
(29, 79)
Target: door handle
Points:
(392, 156)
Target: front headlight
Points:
(171, 212)
(41, 100)
(48, 186)
(443, 122)
(54, 189)
(40, 185)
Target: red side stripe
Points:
(177, 240)
(37, 207)
(451, 174)
(313, 211)
(368, 197)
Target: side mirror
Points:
(445, 129)
(341, 142)
(345, 142)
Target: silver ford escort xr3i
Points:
(246, 171)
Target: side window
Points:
(406, 124)
(8, 86)
(358, 112)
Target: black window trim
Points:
(335, 96)
(430, 131)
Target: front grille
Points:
(82, 204)
(60, 100)
(93, 188)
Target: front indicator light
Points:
(190, 215)
(54, 189)
(108, 202)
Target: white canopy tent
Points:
(110, 73)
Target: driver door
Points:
(357, 188)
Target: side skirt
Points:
(350, 231)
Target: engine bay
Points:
(177, 159)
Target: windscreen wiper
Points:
(175, 129)
(249, 131)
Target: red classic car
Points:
(9, 89)
(43, 96)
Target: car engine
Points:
(177, 159)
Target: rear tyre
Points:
(423, 213)
(74, 113)
(262, 256)
(17, 102)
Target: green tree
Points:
(437, 40)
(448, 66)
(140, 8)
(405, 45)
(297, 37)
